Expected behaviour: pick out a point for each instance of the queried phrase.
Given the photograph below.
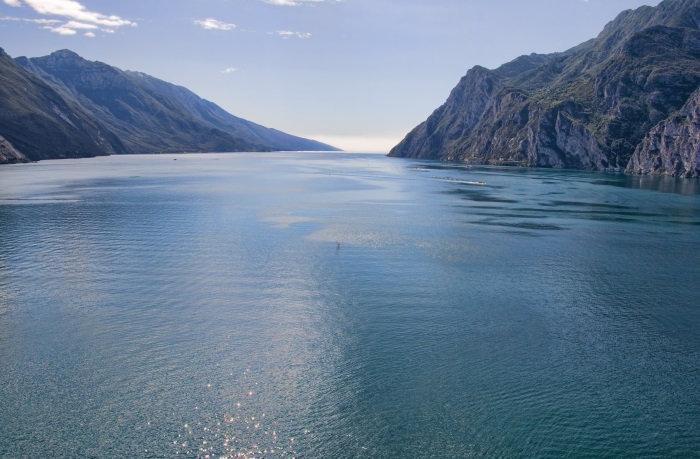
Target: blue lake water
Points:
(317, 305)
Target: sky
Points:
(357, 74)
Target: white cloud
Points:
(90, 35)
(75, 15)
(43, 21)
(213, 24)
(79, 25)
(61, 30)
(73, 10)
(282, 2)
(286, 34)
(298, 2)
(35, 21)
(229, 70)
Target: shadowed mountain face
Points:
(65, 106)
(607, 104)
(38, 122)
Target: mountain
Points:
(612, 103)
(9, 154)
(62, 105)
(36, 122)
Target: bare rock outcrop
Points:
(10, 155)
(596, 106)
(673, 146)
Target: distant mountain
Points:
(626, 100)
(62, 105)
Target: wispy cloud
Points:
(213, 24)
(79, 25)
(229, 70)
(287, 34)
(34, 21)
(299, 2)
(61, 30)
(69, 28)
(282, 2)
(74, 16)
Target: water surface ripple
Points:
(345, 306)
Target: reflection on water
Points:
(340, 305)
(654, 183)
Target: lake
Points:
(336, 305)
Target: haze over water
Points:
(345, 306)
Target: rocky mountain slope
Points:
(603, 105)
(65, 106)
(673, 146)
(8, 153)
(39, 123)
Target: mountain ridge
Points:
(589, 107)
(40, 123)
(89, 108)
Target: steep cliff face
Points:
(586, 108)
(457, 117)
(673, 146)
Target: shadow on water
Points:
(687, 187)
(507, 215)
(442, 167)
(525, 194)
(479, 196)
(590, 209)
(585, 204)
(519, 225)
(682, 186)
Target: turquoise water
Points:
(345, 306)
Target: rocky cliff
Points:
(673, 146)
(62, 105)
(590, 107)
(8, 153)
